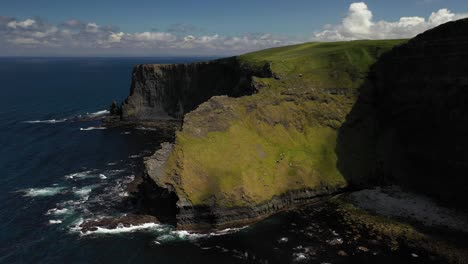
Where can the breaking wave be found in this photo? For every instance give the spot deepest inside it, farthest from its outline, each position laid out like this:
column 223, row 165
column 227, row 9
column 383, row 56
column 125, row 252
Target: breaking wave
column 92, row 128
column 98, row 113
column 124, row 229
column 49, row 121
column 42, row 192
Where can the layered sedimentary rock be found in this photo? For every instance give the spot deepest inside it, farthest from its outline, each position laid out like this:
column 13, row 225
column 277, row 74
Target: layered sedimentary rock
column 410, row 123
column 167, row 91
column 318, row 119
column 237, row 160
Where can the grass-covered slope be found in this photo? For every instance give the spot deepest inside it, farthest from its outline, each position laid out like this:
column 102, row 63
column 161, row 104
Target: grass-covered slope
column 243, row 151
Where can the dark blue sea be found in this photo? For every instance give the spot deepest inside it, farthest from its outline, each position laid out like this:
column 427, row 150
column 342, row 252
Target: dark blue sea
column 56, row 172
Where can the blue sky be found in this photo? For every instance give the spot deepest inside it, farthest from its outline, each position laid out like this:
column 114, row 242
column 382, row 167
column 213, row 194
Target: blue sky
column 195, row 22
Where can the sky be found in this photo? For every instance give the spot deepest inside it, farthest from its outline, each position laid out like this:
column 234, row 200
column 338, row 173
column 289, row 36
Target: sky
column 206, row 27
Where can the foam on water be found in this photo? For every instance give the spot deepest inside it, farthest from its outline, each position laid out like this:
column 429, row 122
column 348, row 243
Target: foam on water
column 182, row 235
column 98, row 113
column 79, row 175
column 49, row 121
column 42, row 192
column 56, row 211
column 126, row 229
column 83, row 192
column 92, row 128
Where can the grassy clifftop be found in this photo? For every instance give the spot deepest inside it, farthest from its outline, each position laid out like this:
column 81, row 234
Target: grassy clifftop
column 244, row 151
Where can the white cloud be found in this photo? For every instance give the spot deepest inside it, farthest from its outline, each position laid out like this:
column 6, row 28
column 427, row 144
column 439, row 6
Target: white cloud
column 358, row 24
column 77, row 37
column 92, row 27
column 22, row 24
column 153, row 36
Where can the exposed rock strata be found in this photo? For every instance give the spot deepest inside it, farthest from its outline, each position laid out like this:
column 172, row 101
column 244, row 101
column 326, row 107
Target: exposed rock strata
column 167, row 91
column 240, row 159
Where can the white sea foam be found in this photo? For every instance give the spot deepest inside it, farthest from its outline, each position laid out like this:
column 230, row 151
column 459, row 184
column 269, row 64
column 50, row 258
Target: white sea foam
column 52, row 222
column 186, row 235
column 126, row 229
column 41, row 192
column 98, row 113
column 49, row 121
column 79, row 175
column 83, row 192
column 75, row 226
column 146, row 128
column 92, row 128
column 56, row 211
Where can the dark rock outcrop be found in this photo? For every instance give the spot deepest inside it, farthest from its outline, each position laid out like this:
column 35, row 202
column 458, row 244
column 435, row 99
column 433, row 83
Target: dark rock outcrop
column 169, row 91
column 410, row 123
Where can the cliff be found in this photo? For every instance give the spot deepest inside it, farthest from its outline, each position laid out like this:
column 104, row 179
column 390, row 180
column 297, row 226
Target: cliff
column 169, row 91
column 237, row 160
column 318, row 118
column 409, row 125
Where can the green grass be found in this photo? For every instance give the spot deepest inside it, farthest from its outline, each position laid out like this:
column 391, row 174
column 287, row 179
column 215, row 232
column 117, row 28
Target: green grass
column 243, row 151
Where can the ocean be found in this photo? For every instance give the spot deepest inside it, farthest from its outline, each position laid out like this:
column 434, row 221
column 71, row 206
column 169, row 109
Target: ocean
column 56, row 172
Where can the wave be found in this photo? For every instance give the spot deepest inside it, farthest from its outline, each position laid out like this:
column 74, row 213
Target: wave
column 125, row 229
column 83, row 192
column 181, row 235
column 49, row 121
column 98, row 113
column 85, row 117
column 146, row 128
column 56, row 211
column 42, row 192
column 79, row 175
column 92, row 128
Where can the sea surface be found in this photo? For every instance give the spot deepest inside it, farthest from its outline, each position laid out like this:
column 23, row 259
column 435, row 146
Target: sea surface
column 56, row 172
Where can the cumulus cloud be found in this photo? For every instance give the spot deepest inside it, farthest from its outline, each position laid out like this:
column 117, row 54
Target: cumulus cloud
column 35, row 36
column 75, row 35
column 359, row 24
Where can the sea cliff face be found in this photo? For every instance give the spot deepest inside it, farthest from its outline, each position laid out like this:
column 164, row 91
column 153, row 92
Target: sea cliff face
column 318, row 118
column 237, row 160
column 409, row 125
column 169, row 91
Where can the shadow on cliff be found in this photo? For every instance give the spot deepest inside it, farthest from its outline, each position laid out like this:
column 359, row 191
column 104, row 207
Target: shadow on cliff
column 410, row 121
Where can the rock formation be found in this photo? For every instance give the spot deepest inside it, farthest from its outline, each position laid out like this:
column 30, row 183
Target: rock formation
column 169, row 91
column 240, row 159
column 409, row 125
column 318, row 119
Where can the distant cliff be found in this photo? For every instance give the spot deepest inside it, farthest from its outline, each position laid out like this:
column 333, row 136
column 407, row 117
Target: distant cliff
column 169, row 91
column 410, row 124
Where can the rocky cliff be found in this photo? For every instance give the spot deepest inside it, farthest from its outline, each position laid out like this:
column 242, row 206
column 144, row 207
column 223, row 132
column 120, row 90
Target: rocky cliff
column 169, row 91
column 409, row 125
column 319, row 118
column 237, row 160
